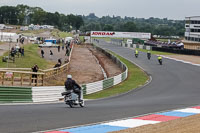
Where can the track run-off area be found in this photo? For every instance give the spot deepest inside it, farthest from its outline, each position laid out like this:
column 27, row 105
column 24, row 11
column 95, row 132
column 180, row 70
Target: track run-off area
column 174, row 85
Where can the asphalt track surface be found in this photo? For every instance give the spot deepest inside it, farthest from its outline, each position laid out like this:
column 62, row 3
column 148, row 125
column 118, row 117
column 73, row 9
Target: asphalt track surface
column 174, row 85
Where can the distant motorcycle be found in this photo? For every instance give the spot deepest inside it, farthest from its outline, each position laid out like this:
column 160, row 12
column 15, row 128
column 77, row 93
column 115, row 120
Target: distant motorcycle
column 136, row 55
column 149, row 56
column 72, row 99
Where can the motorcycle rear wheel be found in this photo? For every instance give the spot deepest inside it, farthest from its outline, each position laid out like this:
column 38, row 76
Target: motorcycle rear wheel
column 71, row 105
column 82, row 103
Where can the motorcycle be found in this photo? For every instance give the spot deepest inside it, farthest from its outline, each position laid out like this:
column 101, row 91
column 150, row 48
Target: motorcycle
column 136, row 55
column 72, row 99
column 148, row 56
column 160, row 61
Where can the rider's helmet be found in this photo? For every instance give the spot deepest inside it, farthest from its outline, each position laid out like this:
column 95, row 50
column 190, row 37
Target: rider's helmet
column 69, row 76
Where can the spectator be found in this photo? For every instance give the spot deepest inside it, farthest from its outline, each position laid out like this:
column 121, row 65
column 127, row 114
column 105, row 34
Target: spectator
column 51, row 54
column 42, row 53
column 57, row 65
column 60, row 61
column 35, row 68
column 58, row 48
column 22, row 54
column 67, row 52
column 63, row 47
column 20, row 51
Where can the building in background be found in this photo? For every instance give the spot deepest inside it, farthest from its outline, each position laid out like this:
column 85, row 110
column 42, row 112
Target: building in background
column 8, row 37
column 192, row 33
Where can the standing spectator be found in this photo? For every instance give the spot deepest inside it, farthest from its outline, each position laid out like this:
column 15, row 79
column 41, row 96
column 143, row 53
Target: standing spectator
column 68, row 44
column 22, row 54
column 60, row 61
column 58, row 48
column 67, row 52
column 63, row 47
column 42, row 53
column 51, row 54
column 20, row 51
column 35, row 68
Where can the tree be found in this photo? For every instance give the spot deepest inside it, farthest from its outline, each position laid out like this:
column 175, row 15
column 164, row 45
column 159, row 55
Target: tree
column 130, row 27
column 108, row 27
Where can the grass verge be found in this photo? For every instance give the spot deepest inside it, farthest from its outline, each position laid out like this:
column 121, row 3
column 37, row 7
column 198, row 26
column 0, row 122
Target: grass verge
column 31, row 32
column 155, row 52
column 59, row 34
column 31, row 57
column 136, row 78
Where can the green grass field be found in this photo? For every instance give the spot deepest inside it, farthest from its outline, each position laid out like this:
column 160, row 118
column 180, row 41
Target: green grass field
column 59, row 34
column 136, row 78
column 31, row 32
column 155, row 52
column 81, row 38
column 31, row 57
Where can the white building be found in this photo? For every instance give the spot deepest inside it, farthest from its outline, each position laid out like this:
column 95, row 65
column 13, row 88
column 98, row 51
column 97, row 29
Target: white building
column 8, row 37
column 2, row 26
column 192, row 33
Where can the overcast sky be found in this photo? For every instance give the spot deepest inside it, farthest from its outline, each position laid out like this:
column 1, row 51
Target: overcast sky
column 172, row 9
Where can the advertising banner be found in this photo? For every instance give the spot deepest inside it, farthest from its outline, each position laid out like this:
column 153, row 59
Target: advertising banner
column 110, row 34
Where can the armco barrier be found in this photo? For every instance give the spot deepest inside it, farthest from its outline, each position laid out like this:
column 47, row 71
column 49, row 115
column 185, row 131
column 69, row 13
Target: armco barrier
column 53, row 93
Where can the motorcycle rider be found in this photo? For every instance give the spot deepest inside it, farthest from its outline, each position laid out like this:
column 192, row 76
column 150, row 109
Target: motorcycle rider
column 136, row 53
column 149, row 55
column 71, row 84
column 160, row 59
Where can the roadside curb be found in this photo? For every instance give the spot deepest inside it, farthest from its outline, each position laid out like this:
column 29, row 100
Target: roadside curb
column 131, row 122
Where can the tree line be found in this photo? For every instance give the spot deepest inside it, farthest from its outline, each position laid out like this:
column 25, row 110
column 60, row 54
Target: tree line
column 25, row 15
column 156, row 26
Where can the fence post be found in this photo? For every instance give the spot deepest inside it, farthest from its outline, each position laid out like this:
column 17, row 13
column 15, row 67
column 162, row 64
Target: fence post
column 3, row 78
column 30, row 79
column 21, row 79
column 42, row 80
column 13, row 79
column 37, row 80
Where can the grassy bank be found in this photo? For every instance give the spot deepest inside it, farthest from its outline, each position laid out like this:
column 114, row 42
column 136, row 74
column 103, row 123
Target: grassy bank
column 31, row 32
column 31, row 57
column 136, row 78
column 155, row 52
column 59, row 34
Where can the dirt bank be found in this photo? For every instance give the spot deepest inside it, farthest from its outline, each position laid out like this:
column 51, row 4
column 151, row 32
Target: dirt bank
column 108, row 65
column 84, row 67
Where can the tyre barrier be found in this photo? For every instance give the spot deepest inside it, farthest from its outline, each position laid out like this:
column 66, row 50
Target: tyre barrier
column 15, row 94
column 136, row 46
column 121, row 43
column 53, row 93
